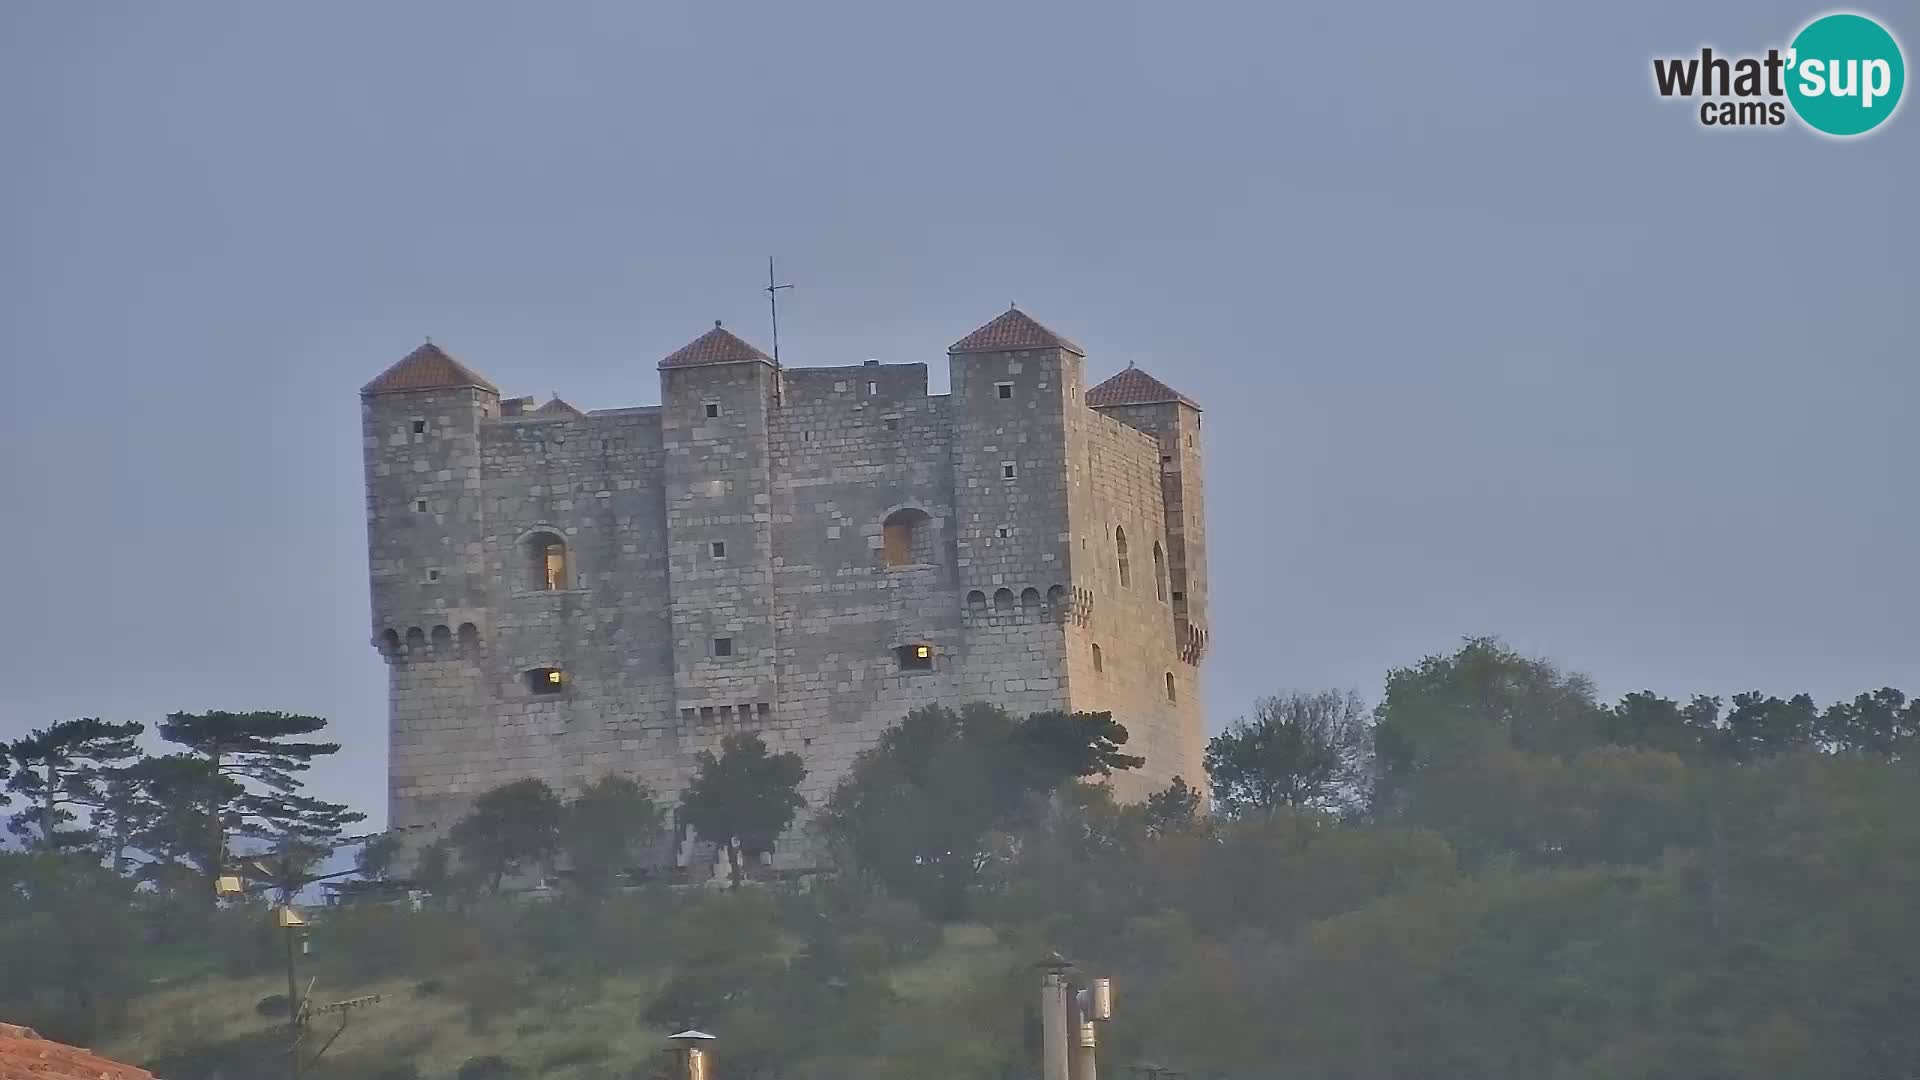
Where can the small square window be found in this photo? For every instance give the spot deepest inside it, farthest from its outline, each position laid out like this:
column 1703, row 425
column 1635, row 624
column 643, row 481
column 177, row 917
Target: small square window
column 1166, row 459
column 723, row 646
column 917, row 657
column 420, row 506
column 872, row 388
column 433, row 574
column 1008, row 470
column 419, row 427
column 893, row 423
column 718, row 548
column 713, row 409
column 1004, row 389
column 546, row 680
column 1003, row 531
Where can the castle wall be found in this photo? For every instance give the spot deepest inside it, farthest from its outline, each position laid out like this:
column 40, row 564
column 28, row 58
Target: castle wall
column 1011, row 579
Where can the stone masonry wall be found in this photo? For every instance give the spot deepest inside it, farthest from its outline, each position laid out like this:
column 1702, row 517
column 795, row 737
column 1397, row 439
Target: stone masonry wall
column 1012, row 578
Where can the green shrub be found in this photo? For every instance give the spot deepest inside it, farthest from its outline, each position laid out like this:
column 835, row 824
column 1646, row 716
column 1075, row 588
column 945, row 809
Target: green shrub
column 579, row 1053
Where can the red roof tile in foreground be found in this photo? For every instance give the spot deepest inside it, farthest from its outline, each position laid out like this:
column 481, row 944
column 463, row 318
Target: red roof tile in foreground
column 716, row 346
column 1010, row 331
column 24, row 1055
column 1135, row 387
column 427, row 368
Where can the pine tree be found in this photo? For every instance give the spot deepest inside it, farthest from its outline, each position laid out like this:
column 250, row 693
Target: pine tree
column 64, row 770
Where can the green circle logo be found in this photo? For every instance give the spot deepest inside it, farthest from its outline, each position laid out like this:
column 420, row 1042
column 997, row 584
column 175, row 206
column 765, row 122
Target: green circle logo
column 1846, row 74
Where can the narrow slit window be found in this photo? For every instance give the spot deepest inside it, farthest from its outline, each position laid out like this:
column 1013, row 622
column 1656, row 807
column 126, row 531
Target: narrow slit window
column 1172, row 695
column 1099, row 661
column 872, row 388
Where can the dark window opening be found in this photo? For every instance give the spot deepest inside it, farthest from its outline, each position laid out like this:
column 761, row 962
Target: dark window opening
column 1099, row 662
column 433, row 575
column 420, row 505
column 546, row 680
column 723, row 646
column 419, row 427
column 713, row 409
column 1159, row 573
column 1008, row 470
column 1120, row 550
column 893, row 423
column 1171, row 695
column 719, row 549
column 1005, row 389
column 917, row 657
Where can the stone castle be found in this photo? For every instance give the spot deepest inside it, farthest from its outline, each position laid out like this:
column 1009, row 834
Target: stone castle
column 807, row 553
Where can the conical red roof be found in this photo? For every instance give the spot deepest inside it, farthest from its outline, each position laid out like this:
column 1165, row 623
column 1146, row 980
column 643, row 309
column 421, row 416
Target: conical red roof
column 1011, row 330
column 427, row 368
column 716, row 346
column 1135, row 387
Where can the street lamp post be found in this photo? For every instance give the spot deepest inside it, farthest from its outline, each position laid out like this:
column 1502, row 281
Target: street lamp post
column 1068, row 1015
column 693, row 1055
column 288, row 919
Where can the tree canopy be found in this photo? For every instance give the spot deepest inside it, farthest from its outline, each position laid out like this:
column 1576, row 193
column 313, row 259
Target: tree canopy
column 743, row 799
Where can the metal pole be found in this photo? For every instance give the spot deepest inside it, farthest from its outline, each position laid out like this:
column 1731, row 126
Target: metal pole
column 293, row 1011
column 1053, row 1025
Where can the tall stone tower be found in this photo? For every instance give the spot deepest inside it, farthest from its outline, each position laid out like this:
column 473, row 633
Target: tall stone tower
column 807, row 554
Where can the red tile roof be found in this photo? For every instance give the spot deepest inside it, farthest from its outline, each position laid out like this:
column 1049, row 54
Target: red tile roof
column 427, row 368
column 24, row 1055
column 716, row 346
column 1135, row 387
column 1011, row 330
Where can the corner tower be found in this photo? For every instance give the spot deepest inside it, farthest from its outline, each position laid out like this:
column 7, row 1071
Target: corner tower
column 432, row 593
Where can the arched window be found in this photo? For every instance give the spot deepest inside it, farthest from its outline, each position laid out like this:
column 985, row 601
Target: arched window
column 907, row 538
column 390, row 643
column 1159, row 573
column 416, row 640
column 547, row 556
column 1099, row 662
column 1171, row 694
column 1003, row 601
column 469, row 635
column 1055, row 596
column 442, row 638
column 976, row 603
column 1030, row 603
column 1120, row 549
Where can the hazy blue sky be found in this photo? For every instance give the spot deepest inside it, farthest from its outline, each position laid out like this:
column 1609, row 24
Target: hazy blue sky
column 1491, row 339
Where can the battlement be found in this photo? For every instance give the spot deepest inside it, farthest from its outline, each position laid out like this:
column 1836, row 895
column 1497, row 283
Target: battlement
column 807, row 552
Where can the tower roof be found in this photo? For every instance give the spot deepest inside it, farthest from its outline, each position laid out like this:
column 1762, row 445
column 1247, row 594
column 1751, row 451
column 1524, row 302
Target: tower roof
column 716, row 346
column 427, row 368
column 1010, row 330
column 557, row 408
column 1135, row 387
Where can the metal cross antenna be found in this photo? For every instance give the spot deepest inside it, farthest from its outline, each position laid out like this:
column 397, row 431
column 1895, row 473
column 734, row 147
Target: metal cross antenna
column 773, row 307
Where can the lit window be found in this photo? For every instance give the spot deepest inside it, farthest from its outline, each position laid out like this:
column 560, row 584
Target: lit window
column 546, row 680
column 548, row 554
column 723, row 646
column 719, row 549
column 906, row 538
column 917, row 657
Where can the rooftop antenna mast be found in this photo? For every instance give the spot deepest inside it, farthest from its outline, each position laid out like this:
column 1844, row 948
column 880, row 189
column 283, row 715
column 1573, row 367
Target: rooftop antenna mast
column 773, row 308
